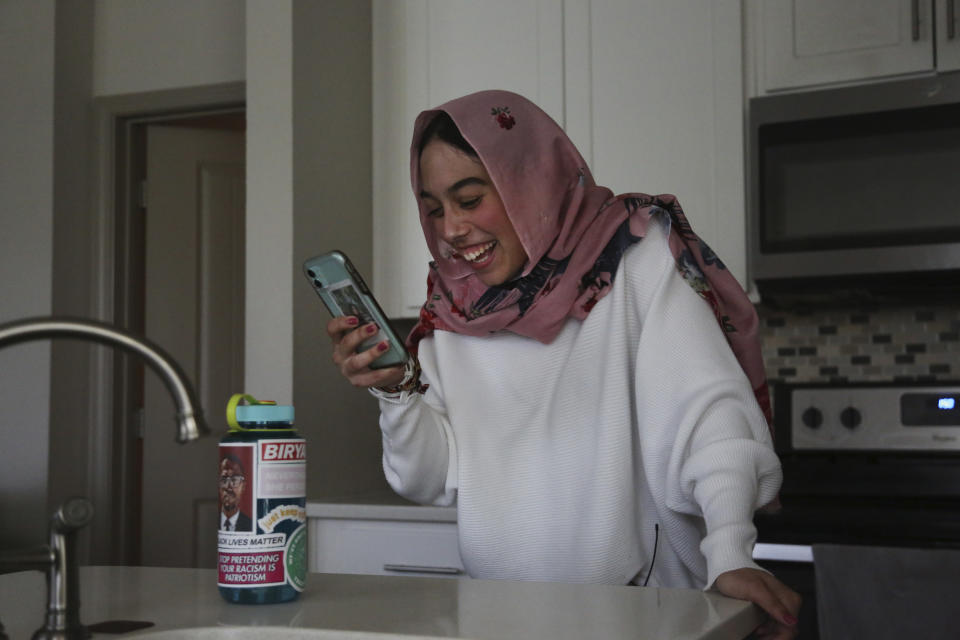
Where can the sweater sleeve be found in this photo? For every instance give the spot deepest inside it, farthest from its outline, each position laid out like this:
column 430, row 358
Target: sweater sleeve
column 704, row 436
column 419, row 452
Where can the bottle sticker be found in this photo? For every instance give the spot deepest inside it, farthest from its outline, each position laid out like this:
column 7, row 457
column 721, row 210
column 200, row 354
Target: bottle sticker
column 263, row 514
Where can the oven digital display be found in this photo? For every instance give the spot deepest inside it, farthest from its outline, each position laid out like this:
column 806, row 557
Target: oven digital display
column 929, row 410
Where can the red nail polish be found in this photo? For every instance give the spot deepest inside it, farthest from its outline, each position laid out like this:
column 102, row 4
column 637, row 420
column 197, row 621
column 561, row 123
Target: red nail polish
column 352, row 321
column 371, row 328
column 382, row 346
column 789, row 619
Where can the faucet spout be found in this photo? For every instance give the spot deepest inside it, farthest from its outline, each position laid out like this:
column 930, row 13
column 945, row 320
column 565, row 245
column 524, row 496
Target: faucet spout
column 190, row 423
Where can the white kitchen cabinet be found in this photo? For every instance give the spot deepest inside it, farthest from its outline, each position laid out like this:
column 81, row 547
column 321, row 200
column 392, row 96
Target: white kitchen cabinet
column 383, row 540
column 651, row 93
column 654, row 94
column 948, row 34
column 810, row 42
column 799, row 44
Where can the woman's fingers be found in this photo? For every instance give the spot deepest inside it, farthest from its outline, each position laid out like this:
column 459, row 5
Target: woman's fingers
column 340, row 324
column 376, row 377
column 773, row 630
column 347, row 335
column 359, row 362
column 780, row 602
column 356, row 369
column 788, row 598
column 777, row 599
column 351, row 342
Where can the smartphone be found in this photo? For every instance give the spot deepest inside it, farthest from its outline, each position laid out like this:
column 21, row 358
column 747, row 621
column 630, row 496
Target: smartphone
column 344, row 293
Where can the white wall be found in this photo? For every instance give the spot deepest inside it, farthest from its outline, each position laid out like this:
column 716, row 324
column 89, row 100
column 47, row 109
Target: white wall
column 26, row 249
column 268, row 347
column 333, row 205
column 145, row 45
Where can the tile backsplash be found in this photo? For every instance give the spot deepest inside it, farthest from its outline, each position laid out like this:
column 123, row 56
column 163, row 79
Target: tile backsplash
column 898, row 344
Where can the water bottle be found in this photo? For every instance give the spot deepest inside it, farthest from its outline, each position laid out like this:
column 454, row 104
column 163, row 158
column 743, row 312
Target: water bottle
column 262, row 537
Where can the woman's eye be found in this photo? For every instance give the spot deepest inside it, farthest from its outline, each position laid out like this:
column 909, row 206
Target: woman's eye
column 435, row 213
column 471, row 203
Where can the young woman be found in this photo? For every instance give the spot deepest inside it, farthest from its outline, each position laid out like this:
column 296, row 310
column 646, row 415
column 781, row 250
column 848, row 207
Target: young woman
column 588, row 387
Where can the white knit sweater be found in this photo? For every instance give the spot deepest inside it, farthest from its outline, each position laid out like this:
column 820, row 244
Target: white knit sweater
column 562, row 458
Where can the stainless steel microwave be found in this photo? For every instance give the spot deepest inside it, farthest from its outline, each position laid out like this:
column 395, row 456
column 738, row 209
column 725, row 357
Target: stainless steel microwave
column 856, row 181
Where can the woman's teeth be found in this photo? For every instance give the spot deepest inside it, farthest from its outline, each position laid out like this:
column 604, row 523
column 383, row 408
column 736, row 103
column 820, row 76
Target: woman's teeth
column 475, row 254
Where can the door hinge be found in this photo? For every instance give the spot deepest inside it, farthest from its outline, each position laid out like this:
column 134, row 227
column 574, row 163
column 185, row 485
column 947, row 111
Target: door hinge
column 139, row 423
column 142, row 194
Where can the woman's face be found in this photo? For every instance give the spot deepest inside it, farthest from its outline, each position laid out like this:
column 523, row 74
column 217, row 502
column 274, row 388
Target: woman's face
column 467, row 213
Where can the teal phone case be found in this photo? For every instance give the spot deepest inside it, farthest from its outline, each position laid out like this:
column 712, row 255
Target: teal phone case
column 344, row 292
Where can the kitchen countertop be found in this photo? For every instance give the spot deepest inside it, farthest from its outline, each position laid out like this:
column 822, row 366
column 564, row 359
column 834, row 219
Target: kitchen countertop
column 416, row 607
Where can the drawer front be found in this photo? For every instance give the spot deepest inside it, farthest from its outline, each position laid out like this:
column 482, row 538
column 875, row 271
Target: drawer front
column 382, row 547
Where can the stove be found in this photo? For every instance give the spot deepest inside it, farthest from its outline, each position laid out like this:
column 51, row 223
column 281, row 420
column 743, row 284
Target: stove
column 867, row 464
column 863, row 464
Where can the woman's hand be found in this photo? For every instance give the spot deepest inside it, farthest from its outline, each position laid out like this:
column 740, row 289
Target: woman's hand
column 346, row 334
column 780, row 602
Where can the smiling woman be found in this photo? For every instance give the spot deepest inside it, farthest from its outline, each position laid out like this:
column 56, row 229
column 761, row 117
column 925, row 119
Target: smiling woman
column 467, row 213
column 588, row 386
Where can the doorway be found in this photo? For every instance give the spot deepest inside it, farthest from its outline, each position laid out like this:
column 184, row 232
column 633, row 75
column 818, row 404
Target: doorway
column 179, row 257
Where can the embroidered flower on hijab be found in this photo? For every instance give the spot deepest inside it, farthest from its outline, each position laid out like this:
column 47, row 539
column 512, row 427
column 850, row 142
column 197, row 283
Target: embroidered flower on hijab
column 503, row 117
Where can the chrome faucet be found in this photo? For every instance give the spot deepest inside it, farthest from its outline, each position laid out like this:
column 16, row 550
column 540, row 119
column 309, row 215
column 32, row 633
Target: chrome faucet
column 58, row 558
column 189, row 418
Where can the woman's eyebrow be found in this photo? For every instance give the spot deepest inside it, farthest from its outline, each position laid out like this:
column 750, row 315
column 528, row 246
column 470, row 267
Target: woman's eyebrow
column 460, row 184
column 456, row 186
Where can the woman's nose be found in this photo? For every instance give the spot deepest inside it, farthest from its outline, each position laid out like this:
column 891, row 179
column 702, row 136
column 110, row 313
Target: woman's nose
column 454, row 226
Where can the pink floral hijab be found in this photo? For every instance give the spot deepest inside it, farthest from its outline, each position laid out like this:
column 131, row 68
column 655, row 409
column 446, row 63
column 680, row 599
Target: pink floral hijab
column 574, row 233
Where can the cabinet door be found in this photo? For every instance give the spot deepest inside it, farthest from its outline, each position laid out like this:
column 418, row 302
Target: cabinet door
column 948, row 35
column 655, row 104
column 384, row 547
column 426, row 52
column 811, row 42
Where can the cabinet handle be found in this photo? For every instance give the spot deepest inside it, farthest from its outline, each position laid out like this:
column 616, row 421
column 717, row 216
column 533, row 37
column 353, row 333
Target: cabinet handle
column 915, row 19
column 951, row 19
column 414, row 568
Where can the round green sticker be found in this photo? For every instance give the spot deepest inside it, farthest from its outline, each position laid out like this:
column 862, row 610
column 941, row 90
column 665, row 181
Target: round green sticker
column 296, row 558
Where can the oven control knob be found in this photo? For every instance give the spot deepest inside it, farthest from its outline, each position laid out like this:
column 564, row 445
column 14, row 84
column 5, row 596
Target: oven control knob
column 850, row 418
column 812, row 417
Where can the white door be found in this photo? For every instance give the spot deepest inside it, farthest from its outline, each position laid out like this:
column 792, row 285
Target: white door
column 194, row 302
column 811, row 42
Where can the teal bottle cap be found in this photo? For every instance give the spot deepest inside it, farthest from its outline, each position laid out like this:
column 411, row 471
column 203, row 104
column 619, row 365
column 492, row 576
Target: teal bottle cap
column 264, row 413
